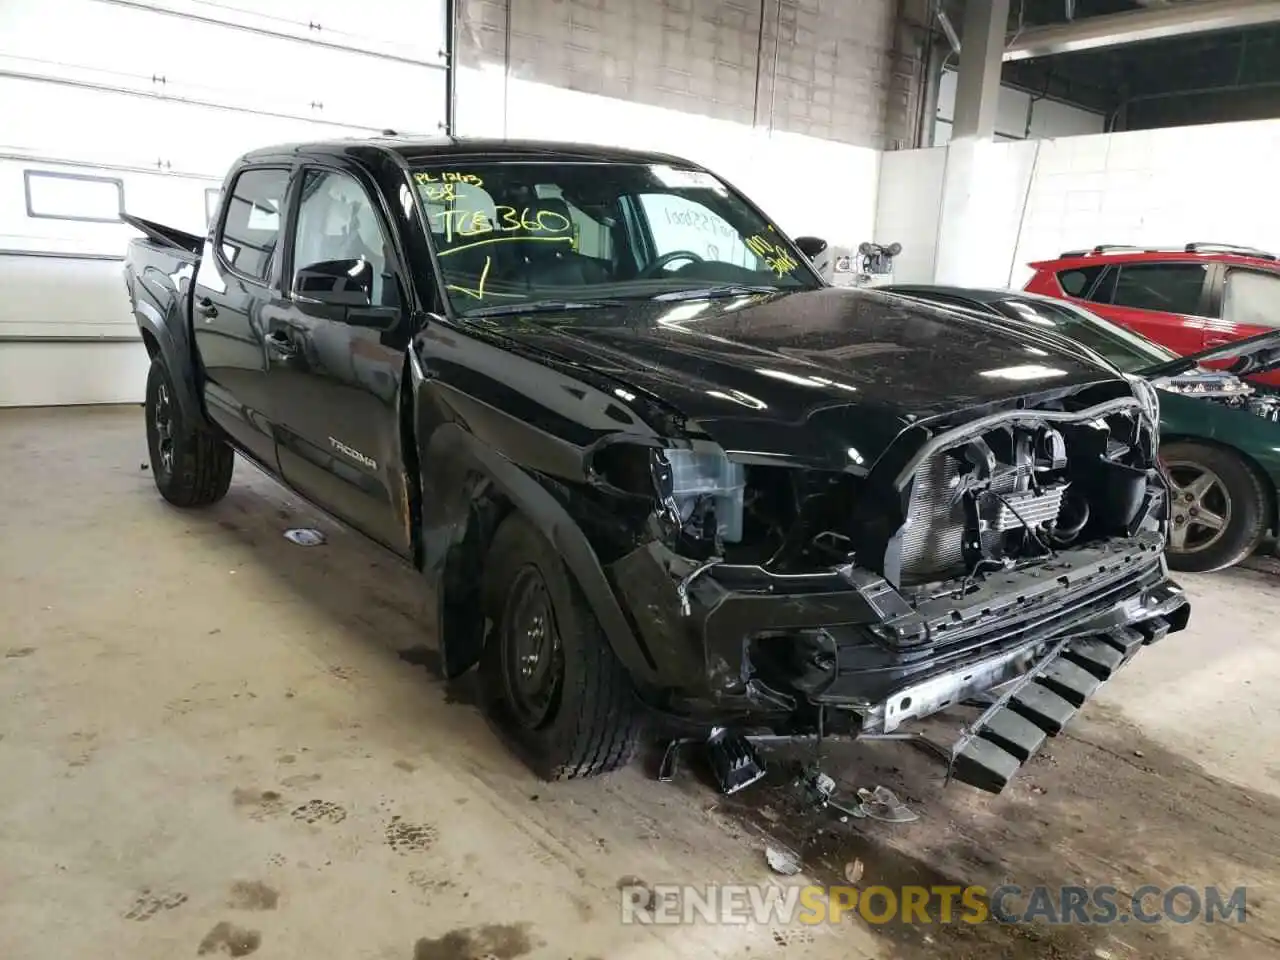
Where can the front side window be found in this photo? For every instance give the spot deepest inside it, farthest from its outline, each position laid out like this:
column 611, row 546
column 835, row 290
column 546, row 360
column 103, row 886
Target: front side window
column 508, row 233
column 1166, row 287
column 251, row 229
column 1252, row 299
column 336, row 222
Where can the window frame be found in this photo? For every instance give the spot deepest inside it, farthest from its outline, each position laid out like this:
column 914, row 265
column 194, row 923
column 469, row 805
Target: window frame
column 224, row 208
column 396, row 260
column 29, row 174
column 1203, row 309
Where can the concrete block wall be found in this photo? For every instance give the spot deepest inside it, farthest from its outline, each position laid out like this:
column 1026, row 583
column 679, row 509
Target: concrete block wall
column 830, row 69
column 1162, row 187
column 978, row 213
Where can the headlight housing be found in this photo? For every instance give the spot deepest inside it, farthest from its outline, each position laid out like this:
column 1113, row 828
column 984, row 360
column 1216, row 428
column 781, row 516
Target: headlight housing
column 708, row 476
column 686, row 482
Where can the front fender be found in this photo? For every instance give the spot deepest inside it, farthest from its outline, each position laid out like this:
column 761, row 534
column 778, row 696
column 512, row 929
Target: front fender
column 456, row 467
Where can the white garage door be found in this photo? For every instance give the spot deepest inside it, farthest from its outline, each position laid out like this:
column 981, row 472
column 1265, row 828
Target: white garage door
column 141, row 105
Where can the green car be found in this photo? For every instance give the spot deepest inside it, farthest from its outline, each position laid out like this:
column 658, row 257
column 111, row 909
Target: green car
column 1220, row 435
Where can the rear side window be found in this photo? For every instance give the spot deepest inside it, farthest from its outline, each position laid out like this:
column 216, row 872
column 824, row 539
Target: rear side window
column 1077, row 282
column 1252, row 299
column 1166, row 287
column 252, row 226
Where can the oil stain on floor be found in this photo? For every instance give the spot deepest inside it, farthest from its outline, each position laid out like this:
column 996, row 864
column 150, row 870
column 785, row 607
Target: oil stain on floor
column 499, row 941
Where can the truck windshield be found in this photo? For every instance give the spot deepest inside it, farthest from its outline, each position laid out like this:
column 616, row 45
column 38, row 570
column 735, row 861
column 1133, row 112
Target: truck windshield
column 513, row 233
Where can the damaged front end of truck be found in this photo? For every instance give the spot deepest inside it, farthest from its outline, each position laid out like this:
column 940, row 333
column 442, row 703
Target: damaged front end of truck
column 1006, row 559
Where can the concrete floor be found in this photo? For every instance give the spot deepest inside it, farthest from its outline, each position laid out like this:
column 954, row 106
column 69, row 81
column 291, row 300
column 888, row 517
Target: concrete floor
column 209, row 744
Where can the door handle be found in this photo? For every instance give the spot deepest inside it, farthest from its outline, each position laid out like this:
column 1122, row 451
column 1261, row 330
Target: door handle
column 281, row 345
column 205, row 307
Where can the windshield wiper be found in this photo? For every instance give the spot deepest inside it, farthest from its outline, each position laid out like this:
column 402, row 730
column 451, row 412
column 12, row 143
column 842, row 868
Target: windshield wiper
column 538, row 306
column 708, row 293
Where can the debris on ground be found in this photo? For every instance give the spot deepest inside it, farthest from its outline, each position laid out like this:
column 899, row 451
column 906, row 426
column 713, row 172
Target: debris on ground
column 880, row 803
column 883, row 804
column 853, row 870
column 782, row 860
column 305, row 536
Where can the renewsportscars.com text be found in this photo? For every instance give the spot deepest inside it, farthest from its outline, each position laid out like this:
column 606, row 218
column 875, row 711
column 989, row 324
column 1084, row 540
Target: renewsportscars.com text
column 1093, row 905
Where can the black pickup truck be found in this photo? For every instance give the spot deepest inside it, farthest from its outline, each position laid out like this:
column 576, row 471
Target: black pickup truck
column 652, row 469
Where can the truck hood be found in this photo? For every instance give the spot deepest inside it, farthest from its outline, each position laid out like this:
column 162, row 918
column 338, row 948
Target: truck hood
column 1258, row 354
column 821, row 377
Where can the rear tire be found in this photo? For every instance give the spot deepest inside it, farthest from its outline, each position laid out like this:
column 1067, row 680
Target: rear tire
column 191, row 467
column 1219, row 507
column 548, row 676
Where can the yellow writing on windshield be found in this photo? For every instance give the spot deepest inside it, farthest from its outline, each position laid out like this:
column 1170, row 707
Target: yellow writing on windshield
column 439, row 192
column 475, row 223
column 775, row 256
column 448, row 176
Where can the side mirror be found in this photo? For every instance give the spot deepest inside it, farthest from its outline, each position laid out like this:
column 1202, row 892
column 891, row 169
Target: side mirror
column 338, row 283
column 811, row 246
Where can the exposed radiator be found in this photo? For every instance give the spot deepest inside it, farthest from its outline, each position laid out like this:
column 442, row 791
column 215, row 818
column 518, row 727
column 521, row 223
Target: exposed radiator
column 933, row 542
column 1002, row 513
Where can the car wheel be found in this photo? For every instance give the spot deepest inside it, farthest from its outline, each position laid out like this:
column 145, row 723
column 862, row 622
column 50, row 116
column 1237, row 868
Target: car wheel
column 549, row 679
column 191, row 467
column 1219, row 510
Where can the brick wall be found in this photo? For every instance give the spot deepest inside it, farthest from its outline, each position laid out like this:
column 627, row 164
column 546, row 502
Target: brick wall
column 838, row 75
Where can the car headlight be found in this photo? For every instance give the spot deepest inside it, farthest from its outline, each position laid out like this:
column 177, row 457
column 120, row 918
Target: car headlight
column 685, row 481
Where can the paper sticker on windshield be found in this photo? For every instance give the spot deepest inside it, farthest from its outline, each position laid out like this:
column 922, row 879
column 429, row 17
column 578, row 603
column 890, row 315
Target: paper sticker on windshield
column 775, row 256
column 671, row 177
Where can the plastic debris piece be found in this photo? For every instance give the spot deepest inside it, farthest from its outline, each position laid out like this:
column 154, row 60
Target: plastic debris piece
column 305, row 536
column 883, row 804
column 853, row 870
column 782, row 860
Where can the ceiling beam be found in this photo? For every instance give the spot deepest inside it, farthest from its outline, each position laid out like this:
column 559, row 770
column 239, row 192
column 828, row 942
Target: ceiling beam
column 1136, row 26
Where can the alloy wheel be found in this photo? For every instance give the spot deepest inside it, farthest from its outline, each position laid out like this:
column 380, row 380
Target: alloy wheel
column 1201, row 508
column 163, row 420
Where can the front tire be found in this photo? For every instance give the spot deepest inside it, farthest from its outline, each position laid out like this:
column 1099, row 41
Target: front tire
column 191, row 467
column 1219, row 513
column 548, row 676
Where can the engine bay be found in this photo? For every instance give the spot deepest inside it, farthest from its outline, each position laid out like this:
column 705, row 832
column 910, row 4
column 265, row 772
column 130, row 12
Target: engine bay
column 1014, row 491
column 1225, row 389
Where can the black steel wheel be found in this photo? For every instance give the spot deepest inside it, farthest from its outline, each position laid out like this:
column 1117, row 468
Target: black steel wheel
column 532, row 655
column 549, row 679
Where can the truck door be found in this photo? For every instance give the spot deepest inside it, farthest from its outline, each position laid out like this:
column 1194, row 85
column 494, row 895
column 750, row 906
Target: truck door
column 337, row 337
column 235, row 280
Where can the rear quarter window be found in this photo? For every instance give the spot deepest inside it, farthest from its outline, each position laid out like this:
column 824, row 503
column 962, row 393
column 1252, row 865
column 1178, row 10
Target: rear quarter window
column 1077, row 281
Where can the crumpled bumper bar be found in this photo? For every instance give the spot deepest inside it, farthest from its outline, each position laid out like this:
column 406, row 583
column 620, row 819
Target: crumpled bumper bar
column 1042, row 702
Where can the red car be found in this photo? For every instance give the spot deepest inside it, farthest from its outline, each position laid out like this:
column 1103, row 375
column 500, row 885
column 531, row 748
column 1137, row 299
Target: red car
column 1200, row 296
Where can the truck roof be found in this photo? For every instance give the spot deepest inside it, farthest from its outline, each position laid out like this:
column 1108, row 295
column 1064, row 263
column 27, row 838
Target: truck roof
column 412, row 150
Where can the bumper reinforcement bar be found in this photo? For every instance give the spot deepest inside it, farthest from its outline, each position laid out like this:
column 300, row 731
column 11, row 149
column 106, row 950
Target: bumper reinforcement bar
column 1041, row 703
